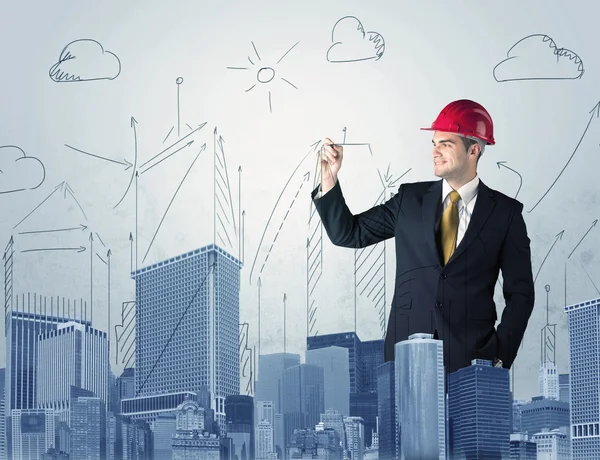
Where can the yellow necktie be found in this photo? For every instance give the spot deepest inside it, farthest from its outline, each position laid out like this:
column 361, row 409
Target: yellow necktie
column 449, row 226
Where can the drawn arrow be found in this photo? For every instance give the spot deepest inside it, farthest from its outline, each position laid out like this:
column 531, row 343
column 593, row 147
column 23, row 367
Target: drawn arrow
column 502, row 163
column 585, row 234
column 126, row 163
column 558, row 237
column 171, row 202
column 134, row 171
column 137, row 175
column 277, row 204
column 63, row 187
column 79, row 249
column 173, row 145
column 81, row 227
column 595, row 111
column 305, row 179
column 168, row 156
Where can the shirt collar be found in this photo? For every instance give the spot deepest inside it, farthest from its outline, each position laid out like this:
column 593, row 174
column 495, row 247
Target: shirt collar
column 467, row 192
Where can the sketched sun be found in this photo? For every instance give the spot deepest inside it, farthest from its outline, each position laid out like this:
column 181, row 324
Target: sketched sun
column 265, row 74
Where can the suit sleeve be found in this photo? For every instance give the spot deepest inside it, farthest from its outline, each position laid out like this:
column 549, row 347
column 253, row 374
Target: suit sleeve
column 518, row 288
column 356, row 231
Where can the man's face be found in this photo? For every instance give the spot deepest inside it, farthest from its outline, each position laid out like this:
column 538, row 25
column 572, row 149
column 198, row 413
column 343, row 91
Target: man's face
column 450, row 159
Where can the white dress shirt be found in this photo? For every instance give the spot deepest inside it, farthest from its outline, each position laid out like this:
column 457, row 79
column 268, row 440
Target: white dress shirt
column 466, row 204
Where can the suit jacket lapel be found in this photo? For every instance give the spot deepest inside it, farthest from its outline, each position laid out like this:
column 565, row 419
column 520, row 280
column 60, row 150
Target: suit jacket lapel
column 483, row 207
column 431, row 201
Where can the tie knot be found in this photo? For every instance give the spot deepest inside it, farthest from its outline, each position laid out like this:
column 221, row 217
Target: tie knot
column 454, row 196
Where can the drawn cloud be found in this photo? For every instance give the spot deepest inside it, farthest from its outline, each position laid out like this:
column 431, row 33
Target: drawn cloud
column 536, row 57
column 19, row 172
column 352, row 44
column 85, row 60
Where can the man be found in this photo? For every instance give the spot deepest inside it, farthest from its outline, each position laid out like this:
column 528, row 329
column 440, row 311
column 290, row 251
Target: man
column 450, row 246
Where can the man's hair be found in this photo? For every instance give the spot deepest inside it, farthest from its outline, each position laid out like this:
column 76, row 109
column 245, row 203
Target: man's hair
column 469, row 141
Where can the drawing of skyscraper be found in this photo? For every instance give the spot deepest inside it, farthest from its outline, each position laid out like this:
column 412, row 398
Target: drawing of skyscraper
column 420, row 397
column 187, row 321
column 584, row 354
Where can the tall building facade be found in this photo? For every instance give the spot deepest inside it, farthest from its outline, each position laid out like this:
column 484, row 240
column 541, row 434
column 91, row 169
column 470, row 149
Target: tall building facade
column 192, row 301
column 420, row 404
column 73, row 355
column 479, row 411
column 584, row 354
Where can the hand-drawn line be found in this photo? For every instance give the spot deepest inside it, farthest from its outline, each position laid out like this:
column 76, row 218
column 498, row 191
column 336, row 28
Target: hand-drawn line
column 18, row 172
column 284, row 322
column 222, row 202
column 584, row 235
column 305, row 179
column 108, row 304
column 240, row 257
column 178, row 82
column 265, row 75
column 166, row 149
column 124, row 332
column 589, row 278
column 70, row 229
column 246, row 356
column 536, row 57
column 559, row 236
column 63, row 187
column 124, row 162
column 210, row 270
column 91, row 271
column 134, row 123
column 259, row 288
column 131, row 251
column 595, row 111
column 168, row 156
column 78, row 249
column 351, row 44
column 276, row 207
column 101, row 259
column 314, row 254
column 100, row 239
column 171, row 202
column 85, row 60
column 370, row 263
column 548, row 335
column 502, row 163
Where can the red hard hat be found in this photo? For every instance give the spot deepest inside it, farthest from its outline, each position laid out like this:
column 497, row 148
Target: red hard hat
column 465, row 117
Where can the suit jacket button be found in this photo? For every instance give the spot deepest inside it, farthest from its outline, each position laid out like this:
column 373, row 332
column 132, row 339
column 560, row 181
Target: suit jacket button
column 438, row 304
column 443, row 276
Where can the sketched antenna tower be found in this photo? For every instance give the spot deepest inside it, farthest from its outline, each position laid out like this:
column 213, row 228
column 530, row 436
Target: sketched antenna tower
column 548, row 336
column 224, row 225
column 246, row 359
column 8, row 258
column 125, row 335
column 178, row 82
column 314, row 256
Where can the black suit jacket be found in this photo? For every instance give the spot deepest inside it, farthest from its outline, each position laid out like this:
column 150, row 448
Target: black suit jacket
column 454, row 302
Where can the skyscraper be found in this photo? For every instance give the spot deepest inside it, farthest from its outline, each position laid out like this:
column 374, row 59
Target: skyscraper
column 584, row 354
column 187, row 326
column 420, row 397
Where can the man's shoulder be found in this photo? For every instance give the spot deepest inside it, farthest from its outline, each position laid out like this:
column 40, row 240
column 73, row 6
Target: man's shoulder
column 502, row 198
column 420, row 187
